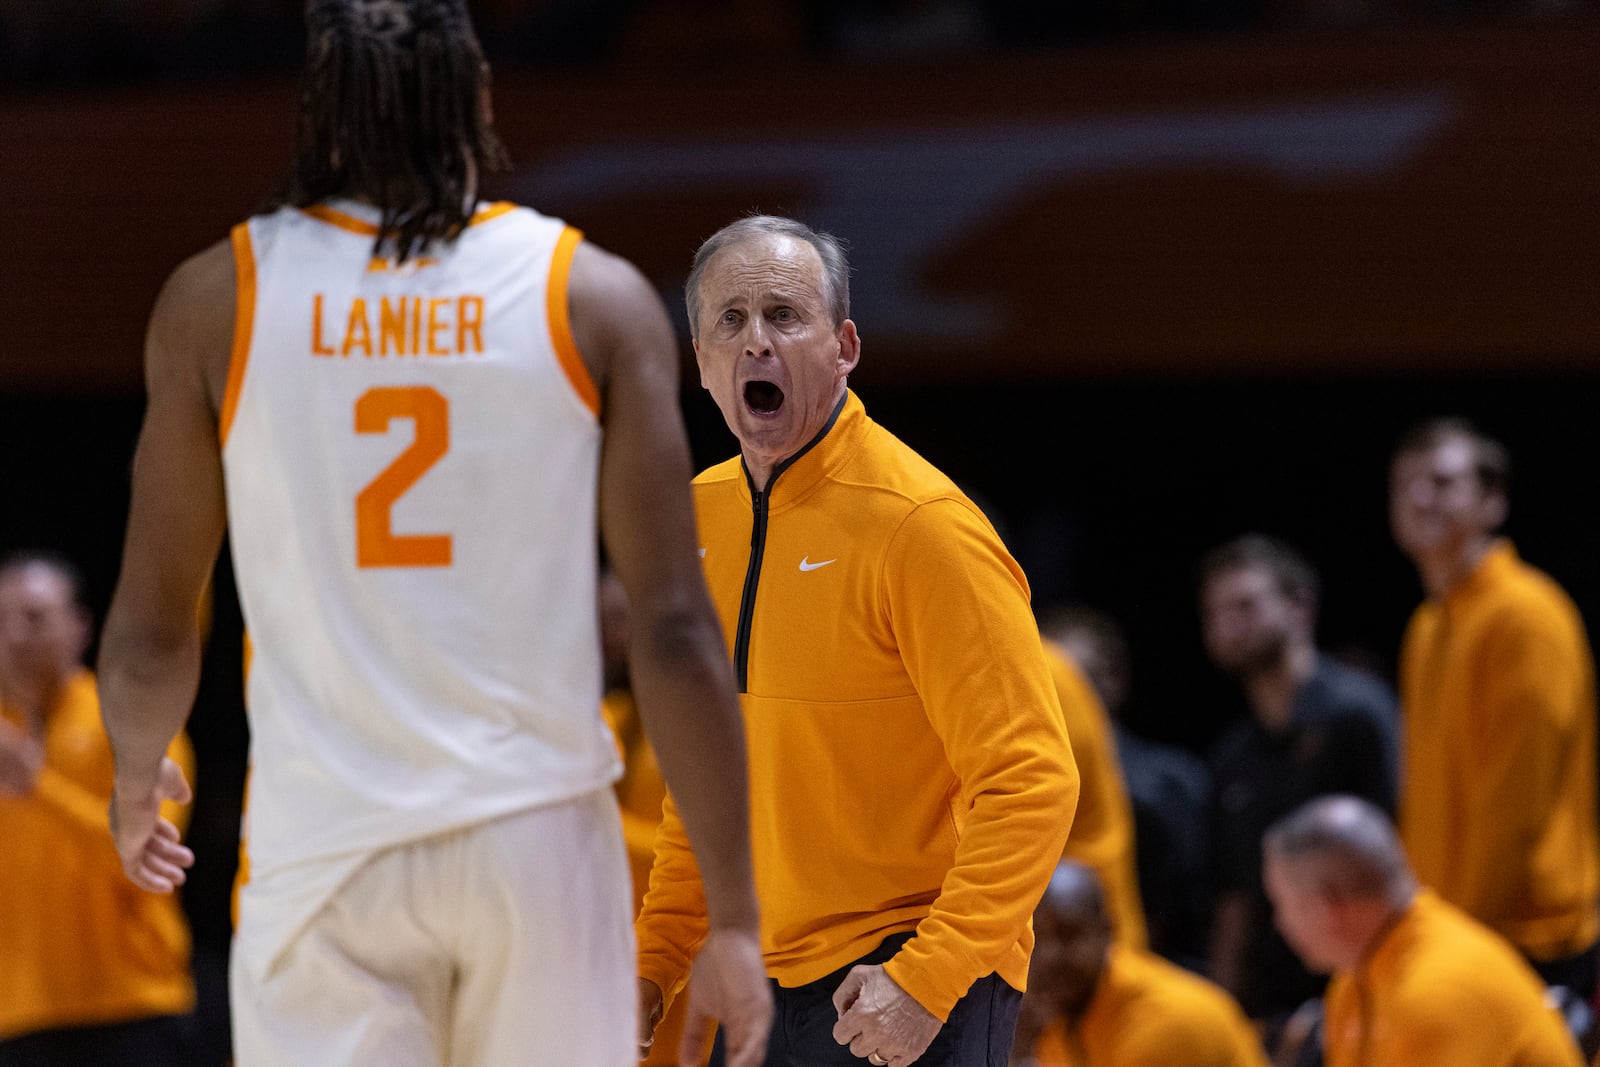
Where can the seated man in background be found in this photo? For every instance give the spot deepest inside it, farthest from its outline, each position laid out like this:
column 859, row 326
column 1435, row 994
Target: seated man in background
column 1416, row 982
column 1094, row 1003
column 93, row 970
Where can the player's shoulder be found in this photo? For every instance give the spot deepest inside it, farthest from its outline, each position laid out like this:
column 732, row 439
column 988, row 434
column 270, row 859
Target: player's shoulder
column 600, row 273
column 204, row 274
column 196, row 302
column 608, row 294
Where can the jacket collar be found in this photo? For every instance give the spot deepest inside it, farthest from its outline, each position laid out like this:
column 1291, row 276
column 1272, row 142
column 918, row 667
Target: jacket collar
column 1500, row 559
column 824, row 454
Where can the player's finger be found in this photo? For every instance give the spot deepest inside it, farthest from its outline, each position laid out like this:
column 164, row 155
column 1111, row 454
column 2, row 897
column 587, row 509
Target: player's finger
column 157, row 868
column 148, row 881
column 166, row 837
column 173, row 853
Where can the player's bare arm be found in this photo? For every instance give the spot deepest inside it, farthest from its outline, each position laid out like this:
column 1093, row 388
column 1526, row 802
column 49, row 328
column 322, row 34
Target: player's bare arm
column 678, row 662
column 150, row 651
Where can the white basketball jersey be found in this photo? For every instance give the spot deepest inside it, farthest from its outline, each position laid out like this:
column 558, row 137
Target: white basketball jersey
column 411, row 454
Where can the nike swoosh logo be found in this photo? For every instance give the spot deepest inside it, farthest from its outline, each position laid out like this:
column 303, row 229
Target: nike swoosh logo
column 807, row 565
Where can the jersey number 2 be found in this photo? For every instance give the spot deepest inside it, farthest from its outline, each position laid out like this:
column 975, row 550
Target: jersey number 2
column 377, row 545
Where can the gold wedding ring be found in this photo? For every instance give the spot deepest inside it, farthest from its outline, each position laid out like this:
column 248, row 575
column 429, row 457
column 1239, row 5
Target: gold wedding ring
column 876, row 1060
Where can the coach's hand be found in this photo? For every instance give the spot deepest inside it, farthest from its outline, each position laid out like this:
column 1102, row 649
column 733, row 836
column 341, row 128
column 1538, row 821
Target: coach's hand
column 152, row 855
column 880, row 1021
column 729, row 986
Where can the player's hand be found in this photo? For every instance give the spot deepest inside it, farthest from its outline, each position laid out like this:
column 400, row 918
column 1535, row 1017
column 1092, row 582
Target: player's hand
column 21, row 759
column 880, row 1021
column 650, row 1011
column 729, row 986
column 152, row 855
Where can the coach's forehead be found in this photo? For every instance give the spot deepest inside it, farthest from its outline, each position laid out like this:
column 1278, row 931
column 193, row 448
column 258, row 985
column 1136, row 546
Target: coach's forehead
column 763, row 263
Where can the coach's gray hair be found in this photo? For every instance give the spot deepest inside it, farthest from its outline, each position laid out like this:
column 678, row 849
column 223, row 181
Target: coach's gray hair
column 1357, row 851
column 835, row 267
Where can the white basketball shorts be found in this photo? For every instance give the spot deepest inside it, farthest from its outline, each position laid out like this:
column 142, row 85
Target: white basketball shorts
column 504, row 944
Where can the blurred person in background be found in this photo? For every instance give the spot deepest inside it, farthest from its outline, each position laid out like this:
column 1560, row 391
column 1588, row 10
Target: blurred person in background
column 1498, row 810
column 1313, row 727
column 409, row 408
column 1167, row 786
column 912, row 785
column 93, row 969
column 1093, row 1001
column 1102, row 836
column 1416, row 982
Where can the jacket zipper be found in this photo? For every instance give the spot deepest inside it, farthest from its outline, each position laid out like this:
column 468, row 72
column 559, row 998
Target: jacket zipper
column 758, row 548
column 752, row 577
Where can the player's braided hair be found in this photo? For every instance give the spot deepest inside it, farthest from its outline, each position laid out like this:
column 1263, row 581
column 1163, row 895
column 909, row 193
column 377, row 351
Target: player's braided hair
column 391, row 112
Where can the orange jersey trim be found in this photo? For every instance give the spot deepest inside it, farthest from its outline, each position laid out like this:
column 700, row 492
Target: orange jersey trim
column 244, row 317
column 350, row 223
column 241, row 877
column 324, row 213
column 561, row 323
column 493, row 211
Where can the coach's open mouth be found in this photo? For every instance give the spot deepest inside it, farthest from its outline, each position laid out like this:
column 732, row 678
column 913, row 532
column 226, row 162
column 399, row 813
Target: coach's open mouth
column 763, row 398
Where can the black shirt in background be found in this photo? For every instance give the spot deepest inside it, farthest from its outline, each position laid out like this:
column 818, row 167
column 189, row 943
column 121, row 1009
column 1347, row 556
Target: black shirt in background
column 1342, row 737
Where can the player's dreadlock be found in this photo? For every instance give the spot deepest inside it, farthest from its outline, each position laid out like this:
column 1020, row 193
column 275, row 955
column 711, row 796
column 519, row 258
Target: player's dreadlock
column 391, row 112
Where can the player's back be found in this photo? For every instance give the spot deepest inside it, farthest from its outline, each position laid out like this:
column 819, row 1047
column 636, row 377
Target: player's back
column 411, row 454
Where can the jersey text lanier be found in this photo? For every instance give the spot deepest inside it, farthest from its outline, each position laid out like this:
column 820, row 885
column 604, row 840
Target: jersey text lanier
column 399, row 326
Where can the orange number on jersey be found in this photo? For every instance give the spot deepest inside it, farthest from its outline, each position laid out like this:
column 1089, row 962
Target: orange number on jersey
column 376, row 544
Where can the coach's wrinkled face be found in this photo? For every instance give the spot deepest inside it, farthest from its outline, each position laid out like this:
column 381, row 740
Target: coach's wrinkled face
column 767, row 347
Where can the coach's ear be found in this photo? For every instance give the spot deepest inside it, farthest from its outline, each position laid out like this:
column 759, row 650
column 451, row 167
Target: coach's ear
column 694, row 342
column 849, row 354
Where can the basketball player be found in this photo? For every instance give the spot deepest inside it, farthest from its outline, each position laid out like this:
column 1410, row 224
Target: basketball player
column 407, row 408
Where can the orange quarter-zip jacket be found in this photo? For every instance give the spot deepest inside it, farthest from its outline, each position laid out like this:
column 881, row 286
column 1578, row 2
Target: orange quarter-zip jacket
column 1440, row 990
column 908, row 764
column 1497, row 804
column 1147, row 1012
column 80, row 945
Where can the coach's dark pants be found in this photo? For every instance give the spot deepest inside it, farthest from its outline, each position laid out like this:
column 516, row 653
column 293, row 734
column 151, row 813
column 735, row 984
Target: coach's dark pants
column 163, row 1041
column 977, row 1034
